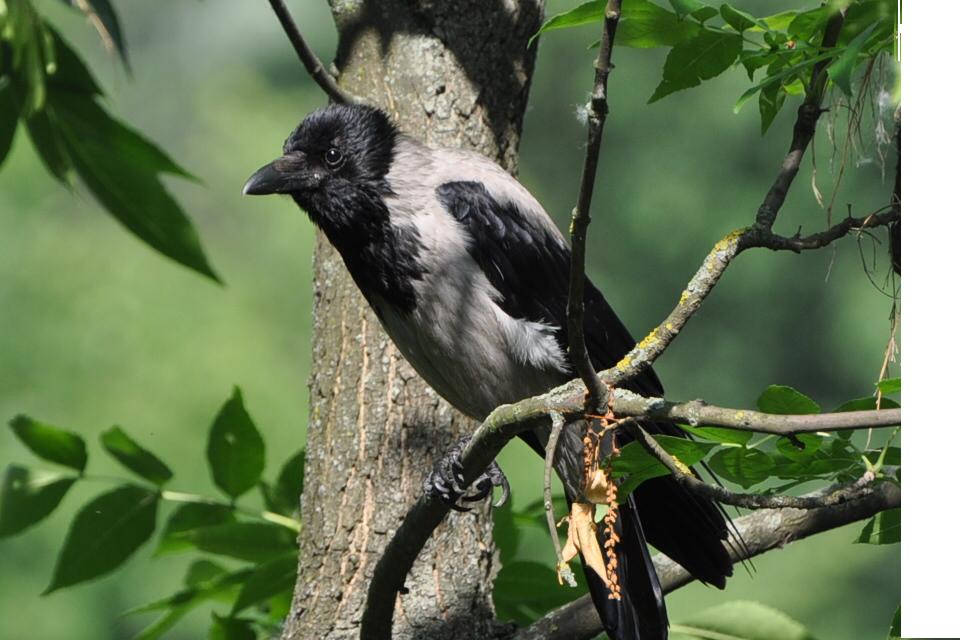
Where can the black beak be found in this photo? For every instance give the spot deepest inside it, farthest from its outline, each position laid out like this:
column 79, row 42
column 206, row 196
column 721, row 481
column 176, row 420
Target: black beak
column 286, row 174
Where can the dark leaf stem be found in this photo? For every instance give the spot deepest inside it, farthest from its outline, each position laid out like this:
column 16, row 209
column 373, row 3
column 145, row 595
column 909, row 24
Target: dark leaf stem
column 310, row 61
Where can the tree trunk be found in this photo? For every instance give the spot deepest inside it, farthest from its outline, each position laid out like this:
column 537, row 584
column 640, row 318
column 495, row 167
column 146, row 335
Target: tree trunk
column 454, row 73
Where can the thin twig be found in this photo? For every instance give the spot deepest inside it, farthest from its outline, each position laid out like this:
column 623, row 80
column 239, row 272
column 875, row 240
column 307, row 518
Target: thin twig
column 309, row 59
column 580, row 217
column 762, row 531
column 803, row 130
column 557, row 423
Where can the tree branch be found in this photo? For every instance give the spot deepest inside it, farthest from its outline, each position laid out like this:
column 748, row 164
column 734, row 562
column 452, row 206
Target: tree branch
column 508, row 421
column 761, row 532
column 309, row 59
column 803, row 130
column 697, row 412
column 580, row 217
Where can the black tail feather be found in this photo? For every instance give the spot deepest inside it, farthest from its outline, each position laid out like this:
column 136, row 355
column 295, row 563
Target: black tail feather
column 640, row 613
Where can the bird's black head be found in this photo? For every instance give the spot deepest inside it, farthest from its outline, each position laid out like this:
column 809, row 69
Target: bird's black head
column 334, row 161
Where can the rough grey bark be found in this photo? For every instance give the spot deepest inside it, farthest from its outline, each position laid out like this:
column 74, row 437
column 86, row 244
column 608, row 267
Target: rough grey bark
column 455, row 73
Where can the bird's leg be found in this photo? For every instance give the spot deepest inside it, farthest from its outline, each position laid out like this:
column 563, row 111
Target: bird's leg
column 446, row 481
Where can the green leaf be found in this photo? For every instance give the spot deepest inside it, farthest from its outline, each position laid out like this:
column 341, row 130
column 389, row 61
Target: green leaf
column 586, row 13
column 267, row 580
column 9, row 116
column 784, row 400
column 286, row 491
column 220, row 585
column 526, row 591
column 71, row 73
column 651, row 26
column 641, row 10
column 49, row 144
column 122, row 170
column 883, row 528
column 895, row 626
column 51, row 443
column 107, row 23
column 745, row 467
column 868, row 403
column 104, row 533
column 719, row 434
column 776, row 22
column 251, row 541
column 27, row 497
column 703, row 57
column 189, row 516
column 780, row 78
column 235, row 449
column 231, row 629
column 639, row 466
column 888, row 386
column 740, row 621
column 134, row 457
column 811, row 445
column 841, row 69
column 739, row 20
column 806, row 24
column 201, row 572
column 771, row 101
column 683, row 8
column 890, row 459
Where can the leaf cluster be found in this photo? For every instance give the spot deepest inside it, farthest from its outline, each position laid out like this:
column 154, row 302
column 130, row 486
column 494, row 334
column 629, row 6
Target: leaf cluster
column 47, row 90
column 257, row 549
column 777, row 52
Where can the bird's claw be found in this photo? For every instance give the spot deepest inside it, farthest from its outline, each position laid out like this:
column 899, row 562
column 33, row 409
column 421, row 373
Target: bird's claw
column 447, row 481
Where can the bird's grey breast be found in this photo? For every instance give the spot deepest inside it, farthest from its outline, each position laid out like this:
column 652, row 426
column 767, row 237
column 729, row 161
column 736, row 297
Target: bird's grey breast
column 458, row 337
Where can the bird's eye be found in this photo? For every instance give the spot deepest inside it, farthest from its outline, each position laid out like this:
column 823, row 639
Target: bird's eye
column 333, row 157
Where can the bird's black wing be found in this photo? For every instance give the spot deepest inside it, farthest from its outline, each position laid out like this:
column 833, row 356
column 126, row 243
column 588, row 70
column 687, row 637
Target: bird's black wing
column 529, row 266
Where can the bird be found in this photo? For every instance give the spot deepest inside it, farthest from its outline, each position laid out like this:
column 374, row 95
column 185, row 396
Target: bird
column 469, row 275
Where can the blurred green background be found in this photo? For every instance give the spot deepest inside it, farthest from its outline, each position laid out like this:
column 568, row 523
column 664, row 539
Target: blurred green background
column 96, row 329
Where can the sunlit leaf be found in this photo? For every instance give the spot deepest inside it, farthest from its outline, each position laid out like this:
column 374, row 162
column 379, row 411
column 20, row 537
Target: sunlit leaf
column 235, row 449
column 889, row 385
column 703, row 57
column 27, row 497
column 841, row 69
column 736, row 18
column 781, row 399
column 883, row 528
column 134, row 457
column 719, row 434
column 650, row 26
column 51, row 443
column 104, row 533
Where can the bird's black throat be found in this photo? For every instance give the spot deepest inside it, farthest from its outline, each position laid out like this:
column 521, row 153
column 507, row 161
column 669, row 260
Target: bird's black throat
column 382, row 260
